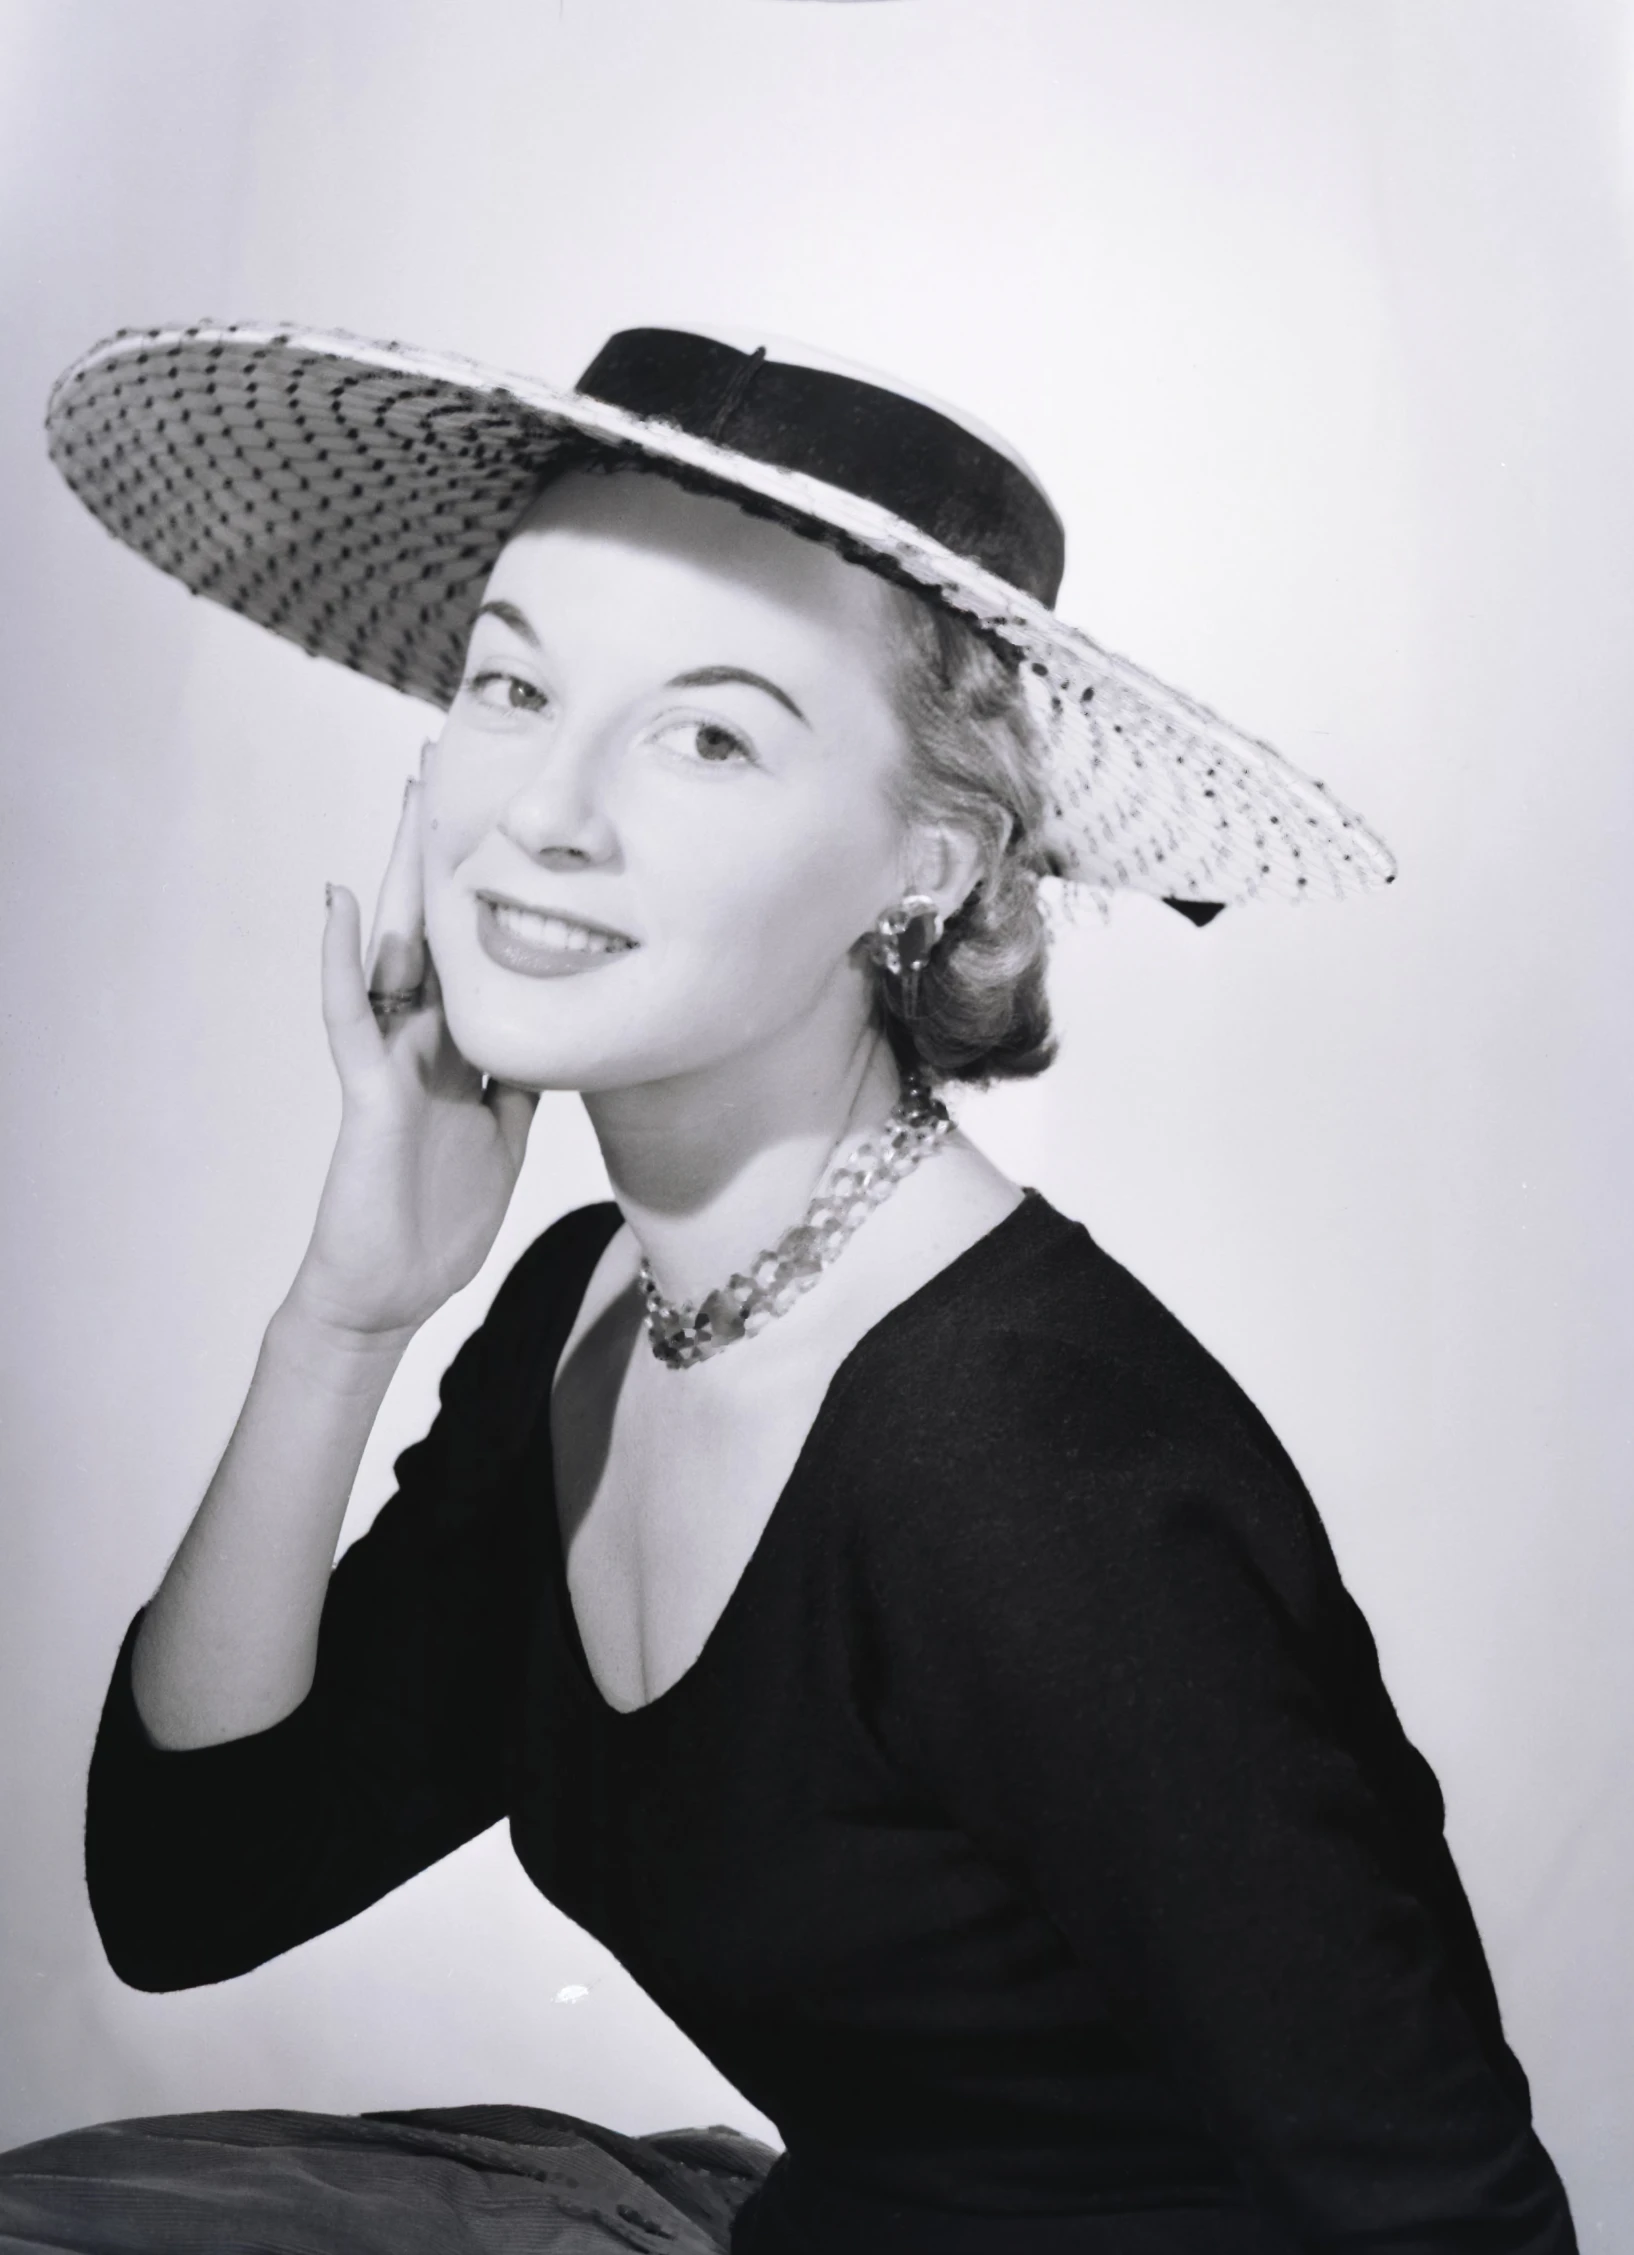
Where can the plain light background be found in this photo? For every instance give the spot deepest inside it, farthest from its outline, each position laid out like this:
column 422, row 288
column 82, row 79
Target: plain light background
column 1316, row 320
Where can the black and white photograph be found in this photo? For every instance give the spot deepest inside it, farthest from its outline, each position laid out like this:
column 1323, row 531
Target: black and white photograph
column 818, row 1413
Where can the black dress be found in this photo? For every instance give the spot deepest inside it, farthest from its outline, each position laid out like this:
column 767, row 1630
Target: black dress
column 1033, row 1839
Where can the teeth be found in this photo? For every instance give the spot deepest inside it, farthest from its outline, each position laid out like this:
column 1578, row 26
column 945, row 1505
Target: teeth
column 553, row 931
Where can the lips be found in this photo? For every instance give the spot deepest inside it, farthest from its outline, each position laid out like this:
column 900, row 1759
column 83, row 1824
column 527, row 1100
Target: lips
column 541, row 943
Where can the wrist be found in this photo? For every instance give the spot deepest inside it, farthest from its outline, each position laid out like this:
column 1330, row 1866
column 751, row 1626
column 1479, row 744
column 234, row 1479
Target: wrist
column 345, row 1357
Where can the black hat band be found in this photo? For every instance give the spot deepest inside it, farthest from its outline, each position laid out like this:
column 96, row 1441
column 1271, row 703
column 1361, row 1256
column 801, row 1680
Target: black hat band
column 944, row 480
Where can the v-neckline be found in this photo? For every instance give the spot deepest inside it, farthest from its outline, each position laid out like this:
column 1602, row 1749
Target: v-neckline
column 914, row 1304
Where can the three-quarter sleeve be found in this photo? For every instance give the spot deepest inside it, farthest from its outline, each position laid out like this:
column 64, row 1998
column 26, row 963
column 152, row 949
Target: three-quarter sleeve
column 204, row 1862
column 1128, row 1666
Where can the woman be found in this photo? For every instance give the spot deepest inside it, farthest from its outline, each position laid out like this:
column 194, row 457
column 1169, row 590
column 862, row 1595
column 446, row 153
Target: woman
column 922, row 1667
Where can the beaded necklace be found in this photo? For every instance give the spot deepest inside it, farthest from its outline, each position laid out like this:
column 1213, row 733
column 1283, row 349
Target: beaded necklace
column 847, row 1194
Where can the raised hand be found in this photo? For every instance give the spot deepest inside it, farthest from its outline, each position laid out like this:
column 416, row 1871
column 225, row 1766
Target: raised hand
column 428, row 1153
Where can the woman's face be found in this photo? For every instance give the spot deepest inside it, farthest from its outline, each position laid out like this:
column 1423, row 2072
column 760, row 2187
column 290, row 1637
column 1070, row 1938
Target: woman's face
column 660, row 818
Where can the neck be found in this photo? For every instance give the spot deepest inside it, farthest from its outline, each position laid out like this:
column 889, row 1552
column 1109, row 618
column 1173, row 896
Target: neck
column 711, row 1168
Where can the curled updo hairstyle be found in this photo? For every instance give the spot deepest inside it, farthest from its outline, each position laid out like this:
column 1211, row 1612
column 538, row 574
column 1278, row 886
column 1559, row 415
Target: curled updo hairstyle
column 975, row 761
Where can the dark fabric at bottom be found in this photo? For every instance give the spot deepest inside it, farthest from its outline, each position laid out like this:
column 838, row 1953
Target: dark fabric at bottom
column 463, row 2180
column 501, row 2180
column 795, row 2213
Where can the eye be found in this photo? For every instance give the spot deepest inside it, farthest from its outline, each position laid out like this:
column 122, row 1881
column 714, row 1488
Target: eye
column 709, row 742
column 497, row 690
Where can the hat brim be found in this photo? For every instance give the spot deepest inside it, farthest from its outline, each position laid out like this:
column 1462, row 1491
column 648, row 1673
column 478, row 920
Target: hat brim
column 353, row 497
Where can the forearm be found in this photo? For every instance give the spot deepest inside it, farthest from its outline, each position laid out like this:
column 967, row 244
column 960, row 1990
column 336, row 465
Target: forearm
column 229, row 1641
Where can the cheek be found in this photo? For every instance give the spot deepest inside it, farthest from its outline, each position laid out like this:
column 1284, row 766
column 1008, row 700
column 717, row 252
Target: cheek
column 776, row 904
column 440, row 855
column 464, row 800
column 453, row 822
column 464, row 796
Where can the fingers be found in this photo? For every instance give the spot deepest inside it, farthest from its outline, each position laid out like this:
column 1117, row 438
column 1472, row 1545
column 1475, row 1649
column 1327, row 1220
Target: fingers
column 354, row 1038
column 427, row 1039
column 513, row 1110
column 397, row 950
column 431, row 987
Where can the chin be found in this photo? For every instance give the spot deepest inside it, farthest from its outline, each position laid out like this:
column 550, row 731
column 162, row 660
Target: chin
column 544, row 1040
column 522, row 1055
column 539, row 1034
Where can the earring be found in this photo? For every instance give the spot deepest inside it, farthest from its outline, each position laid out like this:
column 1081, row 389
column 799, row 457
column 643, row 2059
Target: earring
column 901, row 943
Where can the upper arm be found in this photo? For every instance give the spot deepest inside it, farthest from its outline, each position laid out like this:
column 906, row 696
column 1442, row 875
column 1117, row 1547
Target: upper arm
column 1135, row 1674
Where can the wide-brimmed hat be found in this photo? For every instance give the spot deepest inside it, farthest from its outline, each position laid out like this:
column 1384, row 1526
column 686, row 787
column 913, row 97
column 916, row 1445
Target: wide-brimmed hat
column 353, row 497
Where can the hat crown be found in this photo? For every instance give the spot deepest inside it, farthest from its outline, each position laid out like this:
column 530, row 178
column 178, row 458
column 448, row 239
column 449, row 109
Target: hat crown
column 945, row 476
column 796, row 352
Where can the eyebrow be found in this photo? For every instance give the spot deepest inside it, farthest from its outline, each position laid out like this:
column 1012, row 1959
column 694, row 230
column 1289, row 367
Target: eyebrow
column 508, row 615
column 715, row 677
column 700, row 677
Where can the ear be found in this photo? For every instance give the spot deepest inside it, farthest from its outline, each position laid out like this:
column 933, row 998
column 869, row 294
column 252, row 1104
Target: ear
column 943, row 861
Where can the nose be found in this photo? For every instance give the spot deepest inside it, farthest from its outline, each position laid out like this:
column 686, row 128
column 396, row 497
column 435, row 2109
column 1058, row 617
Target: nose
column 557, row 815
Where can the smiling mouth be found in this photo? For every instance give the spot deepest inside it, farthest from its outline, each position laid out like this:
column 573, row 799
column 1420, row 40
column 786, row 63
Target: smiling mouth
column 541, row 944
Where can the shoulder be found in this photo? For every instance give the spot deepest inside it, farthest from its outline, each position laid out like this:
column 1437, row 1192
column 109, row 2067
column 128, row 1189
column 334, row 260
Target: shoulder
column 551, row 1274
column 561, row 1258
column 498, row 1381
column 1037, row 1409
column 1037, row 1338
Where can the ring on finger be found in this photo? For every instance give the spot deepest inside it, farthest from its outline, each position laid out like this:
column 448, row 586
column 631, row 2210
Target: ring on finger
column 395, row 1002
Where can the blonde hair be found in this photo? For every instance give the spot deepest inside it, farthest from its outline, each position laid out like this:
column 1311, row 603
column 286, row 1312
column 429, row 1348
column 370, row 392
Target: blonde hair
column 975, row 760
